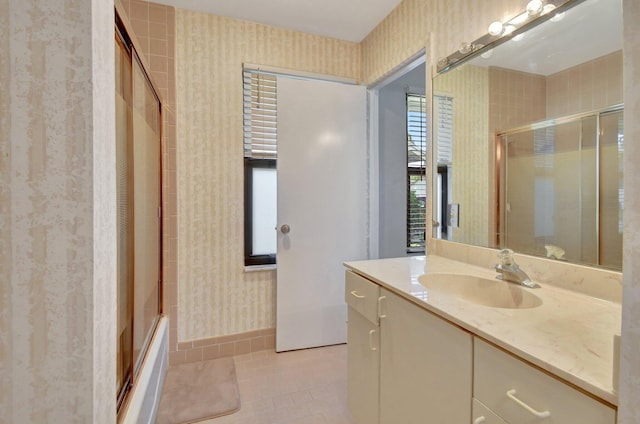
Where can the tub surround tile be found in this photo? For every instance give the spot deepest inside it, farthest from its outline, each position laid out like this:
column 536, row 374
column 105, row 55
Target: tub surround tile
column 152, row 29
column 223, row 346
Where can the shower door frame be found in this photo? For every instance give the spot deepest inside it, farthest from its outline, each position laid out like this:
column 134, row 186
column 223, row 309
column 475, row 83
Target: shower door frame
column 122, row 393
column 501, row 155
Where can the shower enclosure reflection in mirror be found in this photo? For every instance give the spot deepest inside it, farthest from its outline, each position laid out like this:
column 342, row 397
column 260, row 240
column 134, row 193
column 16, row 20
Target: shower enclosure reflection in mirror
column 534, row 126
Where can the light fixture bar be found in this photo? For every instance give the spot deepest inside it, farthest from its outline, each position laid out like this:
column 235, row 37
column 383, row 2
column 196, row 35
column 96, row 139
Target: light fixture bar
column 536, row 12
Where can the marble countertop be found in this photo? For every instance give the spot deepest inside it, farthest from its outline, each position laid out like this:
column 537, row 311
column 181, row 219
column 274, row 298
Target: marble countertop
column 570, row 334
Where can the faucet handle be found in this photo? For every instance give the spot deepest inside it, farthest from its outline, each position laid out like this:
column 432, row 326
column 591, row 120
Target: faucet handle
column 506, row 257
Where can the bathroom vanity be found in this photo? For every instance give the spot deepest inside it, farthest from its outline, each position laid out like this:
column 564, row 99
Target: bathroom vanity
column 426, row 344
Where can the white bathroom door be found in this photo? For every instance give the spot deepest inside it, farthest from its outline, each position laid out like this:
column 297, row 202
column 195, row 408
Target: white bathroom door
column 322, row 205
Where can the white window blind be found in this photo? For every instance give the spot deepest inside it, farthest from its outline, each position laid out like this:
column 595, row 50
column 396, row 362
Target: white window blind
column 443, row 130
column 416, row 130
column 416, row 163
column 260, row 115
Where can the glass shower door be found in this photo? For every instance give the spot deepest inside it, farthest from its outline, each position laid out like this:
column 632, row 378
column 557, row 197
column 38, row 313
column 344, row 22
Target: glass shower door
column 562, row 189
column 138, row 166
column 611, row 200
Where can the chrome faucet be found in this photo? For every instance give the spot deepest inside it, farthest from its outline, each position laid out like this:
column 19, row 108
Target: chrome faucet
column 509, row 270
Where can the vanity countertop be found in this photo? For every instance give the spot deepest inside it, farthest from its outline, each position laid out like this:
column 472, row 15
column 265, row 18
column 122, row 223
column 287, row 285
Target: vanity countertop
column 570, row 334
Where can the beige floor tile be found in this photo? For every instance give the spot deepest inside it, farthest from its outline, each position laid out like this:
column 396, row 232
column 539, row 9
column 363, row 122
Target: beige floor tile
column 300, row 387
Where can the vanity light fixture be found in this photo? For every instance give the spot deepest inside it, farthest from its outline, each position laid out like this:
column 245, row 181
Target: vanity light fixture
column 465, row 47
column 519, row 20
column 534, row 7
column 508, row 29
column 496, row 28
column 548, row 8
column 536, row 12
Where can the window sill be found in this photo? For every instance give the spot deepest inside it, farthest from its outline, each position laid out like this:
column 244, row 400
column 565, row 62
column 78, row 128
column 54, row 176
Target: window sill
column 258, row 268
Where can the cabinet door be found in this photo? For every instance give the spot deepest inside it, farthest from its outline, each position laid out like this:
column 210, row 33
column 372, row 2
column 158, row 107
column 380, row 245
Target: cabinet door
column 515, row 390
column 425, row 366
column 363, row 366
column 483, row 415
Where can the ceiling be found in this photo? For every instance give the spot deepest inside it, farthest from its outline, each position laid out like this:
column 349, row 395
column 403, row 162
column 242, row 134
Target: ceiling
column 350, row 20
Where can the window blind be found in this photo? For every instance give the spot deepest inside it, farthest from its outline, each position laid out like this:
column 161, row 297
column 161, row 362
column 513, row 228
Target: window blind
column 443, row 106
column 260, row 115
column 416, row 130
column 416, row 163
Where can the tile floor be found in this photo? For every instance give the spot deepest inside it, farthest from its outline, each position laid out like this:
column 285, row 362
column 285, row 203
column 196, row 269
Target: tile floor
column 299, row 387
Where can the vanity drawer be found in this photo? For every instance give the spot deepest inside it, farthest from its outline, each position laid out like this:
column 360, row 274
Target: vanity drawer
column 362, row 295
column 483, row 415
column 517, row 391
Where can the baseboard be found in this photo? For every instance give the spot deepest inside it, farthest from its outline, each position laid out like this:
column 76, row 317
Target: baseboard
column 223, row 346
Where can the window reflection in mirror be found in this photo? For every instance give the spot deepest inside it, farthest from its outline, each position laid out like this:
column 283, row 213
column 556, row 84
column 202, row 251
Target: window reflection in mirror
column 536, row 141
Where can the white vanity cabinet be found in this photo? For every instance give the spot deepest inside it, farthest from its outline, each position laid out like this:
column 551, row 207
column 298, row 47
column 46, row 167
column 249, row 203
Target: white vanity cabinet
column 520, row 393
column 363, row 338
column 425, row 366
column 407, row 365
column 411, row 368
column 483, row 415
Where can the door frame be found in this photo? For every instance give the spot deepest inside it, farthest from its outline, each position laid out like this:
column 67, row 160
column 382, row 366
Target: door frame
column 373, row 111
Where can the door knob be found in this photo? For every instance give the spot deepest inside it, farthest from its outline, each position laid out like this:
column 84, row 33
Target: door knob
column 285, row 229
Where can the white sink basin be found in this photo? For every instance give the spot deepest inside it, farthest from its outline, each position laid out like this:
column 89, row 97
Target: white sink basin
column 481, row 291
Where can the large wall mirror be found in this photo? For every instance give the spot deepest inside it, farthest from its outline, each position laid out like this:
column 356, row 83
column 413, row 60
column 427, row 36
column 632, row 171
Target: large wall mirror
column 528, row 140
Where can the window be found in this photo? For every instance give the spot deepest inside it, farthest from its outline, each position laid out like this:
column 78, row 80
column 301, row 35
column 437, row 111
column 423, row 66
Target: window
column 416, row 181
column 443, row 140
column 260, row 183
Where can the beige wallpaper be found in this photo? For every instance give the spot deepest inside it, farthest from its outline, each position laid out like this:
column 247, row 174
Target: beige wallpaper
column 215, row 296
column 629, row 411
column 57, row 203
column 56, row 354
column 469, row 87
column 406, row 30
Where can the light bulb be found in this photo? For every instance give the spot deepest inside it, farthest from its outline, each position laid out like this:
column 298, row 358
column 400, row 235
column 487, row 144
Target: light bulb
column 548, row 8
column 487, row 54
column 496, row 28
column 534, row 7
column 442, row 62
column 508, row 29
column 520, row 19
column 465, row 47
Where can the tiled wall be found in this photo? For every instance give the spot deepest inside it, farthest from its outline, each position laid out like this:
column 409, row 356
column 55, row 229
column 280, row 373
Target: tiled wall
column 223, row 346
column 585, row 87
column 57, row 212
column 153, row 27
column 507, row 110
